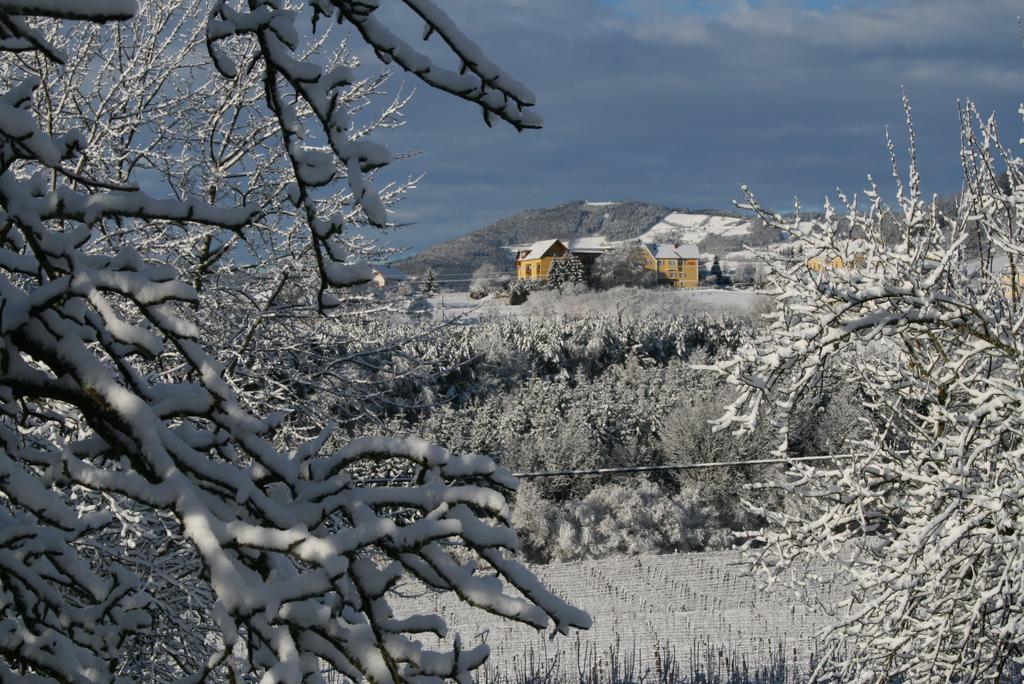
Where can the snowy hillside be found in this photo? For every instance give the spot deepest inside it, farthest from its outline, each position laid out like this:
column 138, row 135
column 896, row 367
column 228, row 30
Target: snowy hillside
column 460, row 257
column 694, row 228
column 716, row 232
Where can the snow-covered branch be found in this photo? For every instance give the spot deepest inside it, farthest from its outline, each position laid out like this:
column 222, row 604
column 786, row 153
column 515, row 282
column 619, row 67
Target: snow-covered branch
column 919, row 309
column 150, row 526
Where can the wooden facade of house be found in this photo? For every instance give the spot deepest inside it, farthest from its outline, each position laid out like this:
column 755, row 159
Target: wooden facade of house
column 676, row 263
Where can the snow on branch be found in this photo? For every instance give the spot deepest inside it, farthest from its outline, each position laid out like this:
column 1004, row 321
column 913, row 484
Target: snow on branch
column 303, row 94
column 96, row 10
column 478, row 80
column 918, row 306
column 150, row 526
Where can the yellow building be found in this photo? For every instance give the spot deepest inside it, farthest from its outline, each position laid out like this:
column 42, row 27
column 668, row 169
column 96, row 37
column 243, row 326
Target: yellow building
column 820, row 263
column 534, row 262
column 674, row 263
column 1009, row 291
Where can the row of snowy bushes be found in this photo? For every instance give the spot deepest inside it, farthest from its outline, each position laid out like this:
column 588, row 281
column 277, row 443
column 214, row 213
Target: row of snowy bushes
column 375, row 371
column 635, row 413
column 564, row 392
column 553, row 391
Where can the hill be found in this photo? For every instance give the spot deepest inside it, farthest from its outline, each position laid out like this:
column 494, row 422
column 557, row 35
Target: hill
column 717, row 231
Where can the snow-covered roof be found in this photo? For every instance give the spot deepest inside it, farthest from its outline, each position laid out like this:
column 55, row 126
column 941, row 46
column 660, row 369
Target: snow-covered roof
column 665, row 250
column 593, row 243
column 590, row 244
column 539, row 249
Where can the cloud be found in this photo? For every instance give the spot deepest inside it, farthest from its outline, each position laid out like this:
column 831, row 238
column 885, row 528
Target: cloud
column 679, row 102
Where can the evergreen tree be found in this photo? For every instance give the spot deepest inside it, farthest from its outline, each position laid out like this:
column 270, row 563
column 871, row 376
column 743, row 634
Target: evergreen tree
column 430, row 284
column 568, row 269
column 517, row 293
column 716, row 272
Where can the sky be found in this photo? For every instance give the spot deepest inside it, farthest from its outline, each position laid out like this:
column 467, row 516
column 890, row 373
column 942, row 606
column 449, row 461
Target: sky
column 680, row 102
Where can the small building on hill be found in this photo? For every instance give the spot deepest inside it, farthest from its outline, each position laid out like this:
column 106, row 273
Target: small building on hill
column 676, row 263
column 533, row 262
column 819, row 264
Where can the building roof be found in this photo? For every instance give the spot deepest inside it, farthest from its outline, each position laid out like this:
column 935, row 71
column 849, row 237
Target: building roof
column 667, row 250
column 590, row 244
column 539, row 249
column 593, row 244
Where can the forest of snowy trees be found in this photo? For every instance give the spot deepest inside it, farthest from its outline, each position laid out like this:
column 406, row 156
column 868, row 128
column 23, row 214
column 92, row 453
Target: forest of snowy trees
column 223, row 455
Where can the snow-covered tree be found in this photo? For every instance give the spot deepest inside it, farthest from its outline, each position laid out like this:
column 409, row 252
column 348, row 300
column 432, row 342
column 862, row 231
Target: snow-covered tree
column 922, row 315
column 487, row 278
column 715, row 272
column 120, row 85
column 517, row 292
column 623, row 265
column 430, row 285
column 121, row 435
column 568, row 270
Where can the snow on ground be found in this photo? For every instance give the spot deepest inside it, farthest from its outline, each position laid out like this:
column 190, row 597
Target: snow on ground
column 601, row 204
column 741, row 255
column 692, row 228
column 724, row 300
column 449, row 305
column 672, row 600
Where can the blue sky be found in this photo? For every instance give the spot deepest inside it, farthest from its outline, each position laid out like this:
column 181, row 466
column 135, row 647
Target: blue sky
column 679, row 103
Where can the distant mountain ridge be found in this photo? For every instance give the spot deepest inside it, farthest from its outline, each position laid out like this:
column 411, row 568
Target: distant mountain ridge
column 720, row 231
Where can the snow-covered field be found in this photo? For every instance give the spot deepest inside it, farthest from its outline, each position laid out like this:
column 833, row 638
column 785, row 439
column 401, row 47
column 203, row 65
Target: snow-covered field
column 692, row 228
column 725, row 300
column 674, row 601
column 449, row 305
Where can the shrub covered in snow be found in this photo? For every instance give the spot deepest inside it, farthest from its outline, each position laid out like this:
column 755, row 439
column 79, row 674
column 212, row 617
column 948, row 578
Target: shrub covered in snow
column 517, row 293
column 631, row 517
column 921, row 314
column 487, row 279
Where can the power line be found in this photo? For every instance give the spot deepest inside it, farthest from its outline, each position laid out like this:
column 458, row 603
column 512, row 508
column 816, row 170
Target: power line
column 679, row 466
column 642, row 469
